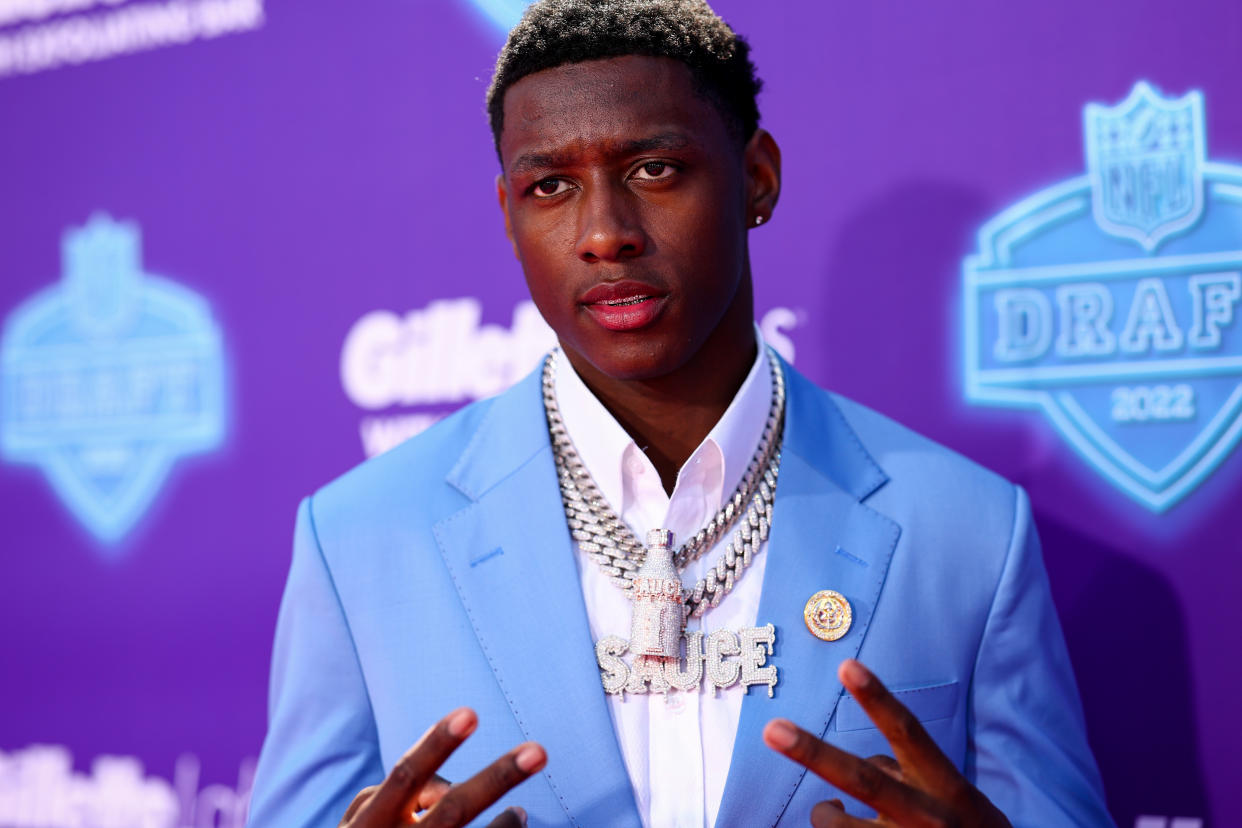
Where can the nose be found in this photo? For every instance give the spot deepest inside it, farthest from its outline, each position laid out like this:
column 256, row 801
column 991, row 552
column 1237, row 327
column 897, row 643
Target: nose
column 609, row 226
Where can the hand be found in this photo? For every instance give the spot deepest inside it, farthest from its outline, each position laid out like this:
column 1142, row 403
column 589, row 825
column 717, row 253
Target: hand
column 920, row 788
column 414, row 795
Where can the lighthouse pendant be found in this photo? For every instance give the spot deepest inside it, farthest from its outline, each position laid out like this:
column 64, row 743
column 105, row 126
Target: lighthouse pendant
column 659, row 610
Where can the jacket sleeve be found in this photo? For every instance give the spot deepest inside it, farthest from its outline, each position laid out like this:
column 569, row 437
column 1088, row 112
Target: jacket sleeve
column 1028, row 749
column 321, row 746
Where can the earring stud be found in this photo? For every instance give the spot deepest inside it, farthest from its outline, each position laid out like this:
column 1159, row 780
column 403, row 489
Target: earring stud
column 758, row 220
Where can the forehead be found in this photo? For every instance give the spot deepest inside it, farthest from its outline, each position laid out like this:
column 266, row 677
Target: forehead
column 597, row 103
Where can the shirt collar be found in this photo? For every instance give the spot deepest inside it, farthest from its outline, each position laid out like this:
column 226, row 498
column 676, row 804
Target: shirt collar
column 606, row 449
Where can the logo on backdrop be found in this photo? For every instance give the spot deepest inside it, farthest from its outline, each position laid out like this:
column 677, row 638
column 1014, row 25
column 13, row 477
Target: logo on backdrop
column 504, row 14
column 37, row 35
column 412, row 370
column 1110, row 301
column 108, row 377
column 39, row 788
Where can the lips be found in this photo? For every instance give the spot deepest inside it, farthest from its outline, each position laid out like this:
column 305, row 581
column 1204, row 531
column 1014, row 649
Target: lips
column 623, row 306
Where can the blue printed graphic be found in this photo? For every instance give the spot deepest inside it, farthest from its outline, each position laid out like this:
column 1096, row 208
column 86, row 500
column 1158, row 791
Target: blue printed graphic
column 1145, row 158
column 504, row 14
column 108, row 377
column 1110, row 301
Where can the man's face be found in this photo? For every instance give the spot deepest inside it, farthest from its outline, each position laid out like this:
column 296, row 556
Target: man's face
column 626, row 201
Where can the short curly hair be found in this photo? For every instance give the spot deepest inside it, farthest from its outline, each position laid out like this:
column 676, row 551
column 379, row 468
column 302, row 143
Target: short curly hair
column 556, row 32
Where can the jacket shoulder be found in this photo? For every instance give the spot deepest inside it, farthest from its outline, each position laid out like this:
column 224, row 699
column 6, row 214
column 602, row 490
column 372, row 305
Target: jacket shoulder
column 931, row 485
column 899, row 449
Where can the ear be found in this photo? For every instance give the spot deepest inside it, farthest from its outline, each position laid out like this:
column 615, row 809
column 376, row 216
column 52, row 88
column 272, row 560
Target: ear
column 502, row 195
column 762, row 158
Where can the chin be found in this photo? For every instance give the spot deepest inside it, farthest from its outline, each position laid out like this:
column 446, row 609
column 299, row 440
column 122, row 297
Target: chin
column 631, row 356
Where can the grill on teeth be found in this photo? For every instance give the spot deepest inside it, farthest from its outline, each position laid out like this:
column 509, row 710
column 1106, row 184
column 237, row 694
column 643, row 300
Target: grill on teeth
column 633, row 301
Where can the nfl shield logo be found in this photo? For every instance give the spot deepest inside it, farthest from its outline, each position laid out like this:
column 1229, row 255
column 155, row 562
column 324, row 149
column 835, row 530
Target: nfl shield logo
column 1112, row 301
column 1145, row 158
column 108, row 377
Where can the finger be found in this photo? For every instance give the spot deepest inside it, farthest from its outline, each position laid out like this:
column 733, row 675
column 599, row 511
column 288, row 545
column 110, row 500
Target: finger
column 434, row 788
column 887, row 764
column 831, row 814
column 418, row 766
column 922, row 761
column 466, row 800
column 857, row 777
column 511, row 817
column 426, row 796
column 361, row 799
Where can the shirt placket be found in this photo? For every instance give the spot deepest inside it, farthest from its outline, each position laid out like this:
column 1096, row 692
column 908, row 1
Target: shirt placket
column 675, row 720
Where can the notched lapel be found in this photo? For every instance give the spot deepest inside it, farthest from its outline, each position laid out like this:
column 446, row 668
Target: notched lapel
column 824, row 473
column 511, row 561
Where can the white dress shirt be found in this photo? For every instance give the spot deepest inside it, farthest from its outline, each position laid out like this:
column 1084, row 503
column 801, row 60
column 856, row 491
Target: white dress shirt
column 676, row 747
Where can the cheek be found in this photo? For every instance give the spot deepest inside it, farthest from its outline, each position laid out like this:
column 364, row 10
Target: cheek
column 708, row 249
column 550, row 289
column 550, row 304
column 708, row 222
column 544, row 238
column 539, row 255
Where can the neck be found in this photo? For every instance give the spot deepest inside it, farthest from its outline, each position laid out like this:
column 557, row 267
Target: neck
column 669, row 416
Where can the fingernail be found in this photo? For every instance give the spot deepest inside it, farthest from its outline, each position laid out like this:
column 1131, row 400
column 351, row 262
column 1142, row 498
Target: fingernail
column 460, row 723
column 518, row 812
column 853, row 673
column 781, row 734
column 529, row 759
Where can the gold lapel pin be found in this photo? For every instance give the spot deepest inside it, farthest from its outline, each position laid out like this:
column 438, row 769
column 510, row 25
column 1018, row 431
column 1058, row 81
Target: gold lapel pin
column 828, row 615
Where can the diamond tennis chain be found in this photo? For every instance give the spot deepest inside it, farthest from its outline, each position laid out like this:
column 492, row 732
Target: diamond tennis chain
column 608, row 541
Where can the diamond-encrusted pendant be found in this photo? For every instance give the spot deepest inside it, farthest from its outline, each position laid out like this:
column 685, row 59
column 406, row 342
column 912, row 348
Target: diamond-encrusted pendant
column 659, row 607
column 717, row 661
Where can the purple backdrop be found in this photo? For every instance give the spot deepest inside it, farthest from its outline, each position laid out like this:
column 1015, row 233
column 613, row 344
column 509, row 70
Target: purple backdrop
column 301, row 167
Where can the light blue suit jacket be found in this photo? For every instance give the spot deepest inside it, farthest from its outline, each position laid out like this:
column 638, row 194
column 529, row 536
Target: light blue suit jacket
column 441, row 574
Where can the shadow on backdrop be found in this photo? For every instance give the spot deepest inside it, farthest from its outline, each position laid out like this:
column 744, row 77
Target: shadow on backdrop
column 897, row 261
column 1127, row 638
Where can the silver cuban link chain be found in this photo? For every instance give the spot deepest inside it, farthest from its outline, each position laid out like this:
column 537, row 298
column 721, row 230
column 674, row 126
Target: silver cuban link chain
column 608, row 541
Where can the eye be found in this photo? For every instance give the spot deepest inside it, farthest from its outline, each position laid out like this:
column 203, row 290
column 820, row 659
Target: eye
column 549, row 187
column 654, row 171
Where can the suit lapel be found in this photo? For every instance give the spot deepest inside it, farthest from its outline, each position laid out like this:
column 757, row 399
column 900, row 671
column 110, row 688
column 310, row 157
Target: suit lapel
column 510, row 557
column 823, row 537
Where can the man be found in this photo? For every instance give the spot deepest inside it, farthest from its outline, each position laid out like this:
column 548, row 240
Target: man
column 444, row 573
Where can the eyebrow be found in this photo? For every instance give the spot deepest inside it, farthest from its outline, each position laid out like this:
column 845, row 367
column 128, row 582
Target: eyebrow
column 530, row 161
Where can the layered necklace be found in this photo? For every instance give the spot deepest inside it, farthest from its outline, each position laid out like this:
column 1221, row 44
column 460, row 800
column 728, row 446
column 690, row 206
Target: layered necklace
column 650, row 574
